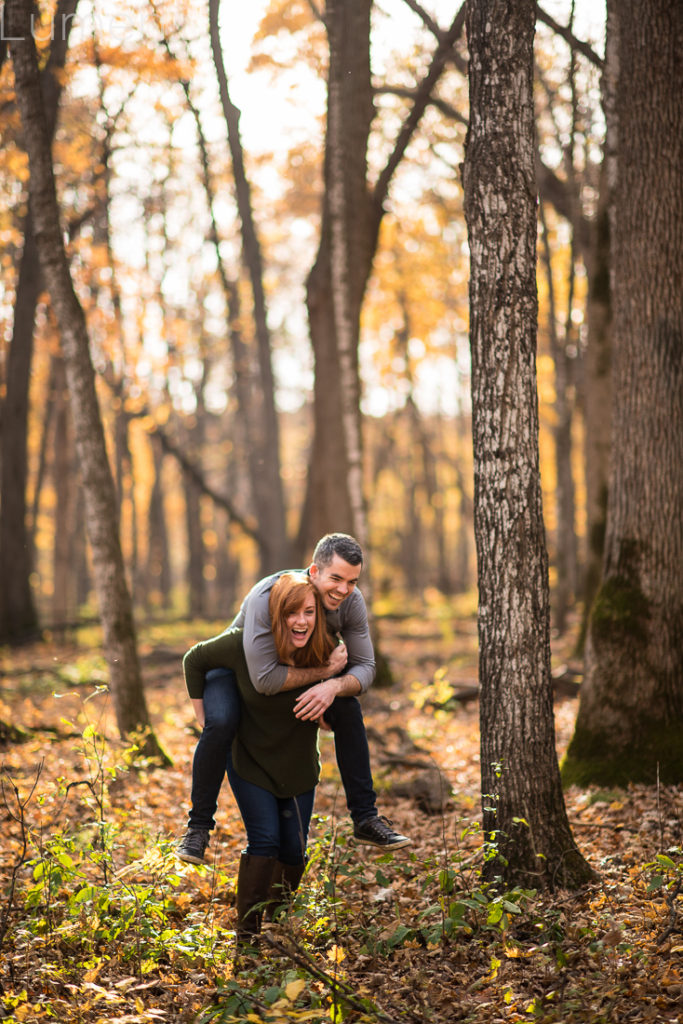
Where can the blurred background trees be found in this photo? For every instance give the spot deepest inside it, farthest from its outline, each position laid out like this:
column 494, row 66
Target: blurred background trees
column 199, row 243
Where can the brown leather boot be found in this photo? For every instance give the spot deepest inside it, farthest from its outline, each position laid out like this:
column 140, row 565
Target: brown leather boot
column 253, row 890
column 283, row 885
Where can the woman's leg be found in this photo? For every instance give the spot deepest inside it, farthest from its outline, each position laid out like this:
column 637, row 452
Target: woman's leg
column 295, row 817
column 258, row 862
column 222, row 715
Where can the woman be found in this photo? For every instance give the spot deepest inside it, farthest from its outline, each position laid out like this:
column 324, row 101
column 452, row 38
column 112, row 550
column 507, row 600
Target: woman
column 274, row 764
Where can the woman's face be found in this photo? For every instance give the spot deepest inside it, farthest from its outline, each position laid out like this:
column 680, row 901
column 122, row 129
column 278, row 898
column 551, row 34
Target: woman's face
column 301, row 623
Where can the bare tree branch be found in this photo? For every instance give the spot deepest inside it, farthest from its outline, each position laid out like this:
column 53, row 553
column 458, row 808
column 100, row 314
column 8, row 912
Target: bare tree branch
column 569, row 37
column 422, row 99
column 437, row 31
column 248, row 525
column 315, row 10
column 411, row 94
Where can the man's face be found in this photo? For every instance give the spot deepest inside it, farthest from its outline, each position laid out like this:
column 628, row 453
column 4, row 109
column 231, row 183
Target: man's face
column 334, row 582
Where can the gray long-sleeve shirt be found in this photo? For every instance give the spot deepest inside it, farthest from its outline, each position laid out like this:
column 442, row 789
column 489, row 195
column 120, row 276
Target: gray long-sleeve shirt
column 350, row 619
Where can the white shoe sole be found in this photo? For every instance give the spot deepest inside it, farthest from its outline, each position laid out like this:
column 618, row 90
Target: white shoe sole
column 359, row 841
column 189, row 858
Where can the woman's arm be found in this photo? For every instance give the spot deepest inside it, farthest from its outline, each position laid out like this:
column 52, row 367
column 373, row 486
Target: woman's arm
column 222, row 651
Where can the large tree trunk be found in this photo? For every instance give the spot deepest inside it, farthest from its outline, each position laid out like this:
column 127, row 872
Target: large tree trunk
column 18, row 618
column 630, row 721
column 329, row 503
column 269, row 493
column 597, row 397
column 524, row 816
column 343, row 262
column 349, row 114
column 115, row 605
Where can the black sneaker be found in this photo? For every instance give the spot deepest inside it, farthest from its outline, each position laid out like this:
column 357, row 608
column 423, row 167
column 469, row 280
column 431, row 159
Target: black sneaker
column 191, row 847
column 378, row 832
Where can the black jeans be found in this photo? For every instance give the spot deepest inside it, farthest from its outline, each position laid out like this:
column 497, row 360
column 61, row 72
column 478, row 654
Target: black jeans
column 222, row 714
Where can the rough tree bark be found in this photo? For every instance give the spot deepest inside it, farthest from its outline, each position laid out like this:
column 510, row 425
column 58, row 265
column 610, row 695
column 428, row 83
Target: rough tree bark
column 524, row 816
column 18, row 616
column 630, row 721
column 115, row 605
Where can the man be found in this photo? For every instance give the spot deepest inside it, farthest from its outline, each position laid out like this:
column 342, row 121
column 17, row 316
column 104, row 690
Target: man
column 332, row 700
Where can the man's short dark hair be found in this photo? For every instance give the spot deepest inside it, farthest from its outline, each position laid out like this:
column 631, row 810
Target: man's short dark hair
column 337, row 544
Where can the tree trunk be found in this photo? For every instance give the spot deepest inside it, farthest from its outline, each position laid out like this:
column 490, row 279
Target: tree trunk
column 267, row 480
column 349, row 113
column 196, row 553
column 565, row 530
column 525, row 822
column 18, row 617
column 262, row 450
column 630, row 721
column 329, row 501
column 597, row 398
column 115, row 605
column 157, row 577
column 66, row 485
column 196, row 549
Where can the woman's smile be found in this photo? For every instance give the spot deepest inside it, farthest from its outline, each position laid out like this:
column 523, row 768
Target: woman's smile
column 300, row 624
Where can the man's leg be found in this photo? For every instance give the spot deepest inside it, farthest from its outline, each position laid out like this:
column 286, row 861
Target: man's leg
column 345, row 718
column 221, row 719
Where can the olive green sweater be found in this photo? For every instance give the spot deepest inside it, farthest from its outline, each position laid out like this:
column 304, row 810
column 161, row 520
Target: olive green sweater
column 273, row 748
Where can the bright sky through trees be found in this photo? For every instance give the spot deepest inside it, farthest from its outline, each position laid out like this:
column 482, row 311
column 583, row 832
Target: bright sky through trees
column 276, row 118
column 278, row 112
column 265, row 111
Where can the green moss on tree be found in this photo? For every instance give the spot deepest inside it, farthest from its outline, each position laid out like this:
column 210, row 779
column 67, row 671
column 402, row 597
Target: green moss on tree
column 619, row 612
column 655, row 754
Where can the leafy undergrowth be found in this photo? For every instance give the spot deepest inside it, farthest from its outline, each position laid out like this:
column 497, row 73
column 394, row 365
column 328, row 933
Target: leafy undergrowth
column 100, row 922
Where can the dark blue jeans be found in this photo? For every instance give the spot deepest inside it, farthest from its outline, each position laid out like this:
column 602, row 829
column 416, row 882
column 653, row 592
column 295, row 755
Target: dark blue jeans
column 222, row 715
column 276, row 826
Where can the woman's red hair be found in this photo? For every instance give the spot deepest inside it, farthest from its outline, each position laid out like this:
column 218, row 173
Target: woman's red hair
column 287, row 595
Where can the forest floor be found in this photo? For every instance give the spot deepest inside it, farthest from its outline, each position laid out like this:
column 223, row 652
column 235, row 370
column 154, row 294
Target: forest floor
column 100, row 922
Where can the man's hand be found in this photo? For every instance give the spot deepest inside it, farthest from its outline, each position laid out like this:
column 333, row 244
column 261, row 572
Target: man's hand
column 336, row 662
column 298, row 677
column 314, row 702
